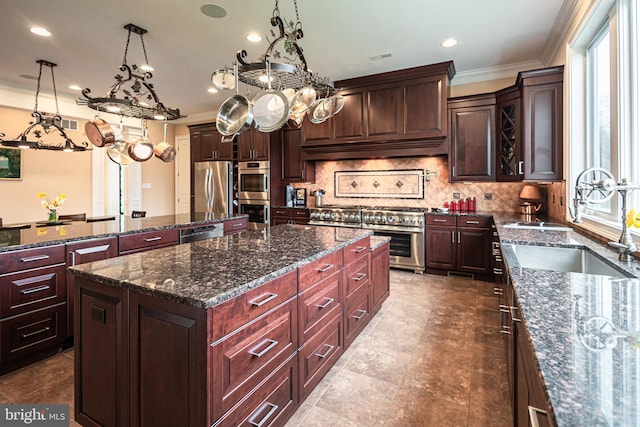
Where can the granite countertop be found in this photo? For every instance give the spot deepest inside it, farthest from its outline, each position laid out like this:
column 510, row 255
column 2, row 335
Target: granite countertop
column 585, row 330
column 377, row 241
column 206, row 273
column 36, row 235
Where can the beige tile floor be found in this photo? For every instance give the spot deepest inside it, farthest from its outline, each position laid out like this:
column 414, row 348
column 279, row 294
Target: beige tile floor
column 431, row 357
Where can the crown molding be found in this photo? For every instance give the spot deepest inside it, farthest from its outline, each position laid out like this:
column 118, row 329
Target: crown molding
column 494, row 73
column 561, row 27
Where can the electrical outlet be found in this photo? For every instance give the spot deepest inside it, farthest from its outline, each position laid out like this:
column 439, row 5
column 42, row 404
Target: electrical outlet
column 456, row 196
column 488, row 196
column 561, row 200
column 553, row 199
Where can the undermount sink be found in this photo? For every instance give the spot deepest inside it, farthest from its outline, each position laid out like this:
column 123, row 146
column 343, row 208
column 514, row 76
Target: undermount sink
column 576, row 260
column 538, row 225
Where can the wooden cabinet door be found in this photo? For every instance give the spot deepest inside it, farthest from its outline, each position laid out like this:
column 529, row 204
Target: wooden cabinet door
column 425, row 107
column 253, row 145
column 509, row 164
column 349, row 124
column 472, row 139
column 542, row 131
column 208, row 141
column 379, row 276
column 441, row 247
column 244, row 145
column 294, row 168
column 318, row 134
column 300, row 216
column 474, row 250
column 384, row 118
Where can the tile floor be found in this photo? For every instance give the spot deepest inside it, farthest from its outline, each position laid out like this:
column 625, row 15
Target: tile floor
column 431, row 357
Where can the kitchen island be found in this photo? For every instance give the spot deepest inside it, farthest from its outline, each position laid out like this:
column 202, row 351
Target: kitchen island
column 218, row 332
column 582, row 332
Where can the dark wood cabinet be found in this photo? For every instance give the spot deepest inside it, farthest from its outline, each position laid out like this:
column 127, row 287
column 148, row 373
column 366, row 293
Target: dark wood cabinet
column 509, row 164
column 472, row 138
column 80, row 253
column 379, row 264
column 284, row 215
column 294, row 167
column 139, row 242
column 33, row 305
column 253, row 145
column 395, row 114
column 206, row 144
column 233, row 226
column 458, row 243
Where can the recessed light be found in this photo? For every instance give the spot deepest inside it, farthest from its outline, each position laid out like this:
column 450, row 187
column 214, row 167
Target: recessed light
column 213, row 10
column 146, row 68
column 381, row 56
column 449, row 42
column 212, row 90
column 75, row 87
column 263, row 78
column 40, row 31
column 254, row 37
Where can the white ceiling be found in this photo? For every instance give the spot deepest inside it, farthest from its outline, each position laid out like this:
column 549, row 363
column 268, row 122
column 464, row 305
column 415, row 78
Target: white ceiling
column 185, row 46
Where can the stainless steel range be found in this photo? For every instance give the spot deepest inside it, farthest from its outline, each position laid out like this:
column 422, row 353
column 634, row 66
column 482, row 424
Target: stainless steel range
column 405, row 226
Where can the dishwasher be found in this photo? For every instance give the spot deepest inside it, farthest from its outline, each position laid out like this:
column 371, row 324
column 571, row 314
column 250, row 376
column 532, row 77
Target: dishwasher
column 194, row 234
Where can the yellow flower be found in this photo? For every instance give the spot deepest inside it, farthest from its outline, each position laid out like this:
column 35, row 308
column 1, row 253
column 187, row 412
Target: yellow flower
column 633, row 219
column 41, row 195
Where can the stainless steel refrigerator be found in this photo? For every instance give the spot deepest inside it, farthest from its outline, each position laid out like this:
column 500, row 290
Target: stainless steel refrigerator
column 213, row 187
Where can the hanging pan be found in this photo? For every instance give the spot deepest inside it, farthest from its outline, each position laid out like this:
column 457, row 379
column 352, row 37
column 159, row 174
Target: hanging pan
column 235, row 114
column 99, row 132
column 165, row 151
column 223, row 79
column 270, row 107
column 118, row 152
column 141, row 149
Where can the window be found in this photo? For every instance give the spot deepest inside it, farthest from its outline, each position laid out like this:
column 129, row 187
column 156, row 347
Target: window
column 604, row 107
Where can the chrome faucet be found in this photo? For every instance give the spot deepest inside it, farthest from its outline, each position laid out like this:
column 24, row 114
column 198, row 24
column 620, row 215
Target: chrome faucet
column 596, row 185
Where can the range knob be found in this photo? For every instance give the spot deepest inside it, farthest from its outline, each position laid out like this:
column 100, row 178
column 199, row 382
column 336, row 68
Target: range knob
column 414, row 221
column 334, row 216
column 420, row 221
column 406, row 220
column 392, row 218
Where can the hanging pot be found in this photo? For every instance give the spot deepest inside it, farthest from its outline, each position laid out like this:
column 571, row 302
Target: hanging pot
column 303, row 99
column 295, row 121
column 270, row 108
column 223, row 79
column 99, row 132
column 118, row 153
column 235, row 114
column 165, row 151
column 141, row 149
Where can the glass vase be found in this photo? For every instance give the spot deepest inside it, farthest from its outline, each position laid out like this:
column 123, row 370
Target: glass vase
column 53, row 215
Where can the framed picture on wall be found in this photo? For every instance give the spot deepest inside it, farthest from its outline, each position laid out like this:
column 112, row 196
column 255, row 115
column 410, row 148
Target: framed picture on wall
column 10, row 163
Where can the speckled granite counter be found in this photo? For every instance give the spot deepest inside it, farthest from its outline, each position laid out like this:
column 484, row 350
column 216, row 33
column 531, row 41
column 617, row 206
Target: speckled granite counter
column 377, row 241
column 34, row 236
column 585, row 330
column 206, row 273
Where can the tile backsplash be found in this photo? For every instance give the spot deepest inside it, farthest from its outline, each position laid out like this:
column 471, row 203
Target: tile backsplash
column 504, row 197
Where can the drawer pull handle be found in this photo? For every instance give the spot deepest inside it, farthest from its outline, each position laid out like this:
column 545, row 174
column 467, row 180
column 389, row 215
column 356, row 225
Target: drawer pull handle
column 533, row 415
column 238, row 224
column 32, row 290
column 325, row 269
column 472, row 222
column 359, row 249
column 153, row 239
column 359, row 277
column 439, row 220
column 326, row 304
column 497, row 291
column 264, row 419
column 362, row 313
column 34, row 258
column 256, row 353
column 39, row 331
column 327, row 351
column 268, row 298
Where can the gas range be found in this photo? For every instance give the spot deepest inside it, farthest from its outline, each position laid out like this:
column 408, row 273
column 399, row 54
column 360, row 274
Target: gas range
column 336, row 215
column 367, row 216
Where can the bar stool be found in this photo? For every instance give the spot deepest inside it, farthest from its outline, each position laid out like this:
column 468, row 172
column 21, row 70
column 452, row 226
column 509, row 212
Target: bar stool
column 138, row 214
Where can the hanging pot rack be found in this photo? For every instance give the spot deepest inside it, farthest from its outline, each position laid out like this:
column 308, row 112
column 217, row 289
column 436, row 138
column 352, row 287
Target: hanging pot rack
column 44, row 123
column 138, row 98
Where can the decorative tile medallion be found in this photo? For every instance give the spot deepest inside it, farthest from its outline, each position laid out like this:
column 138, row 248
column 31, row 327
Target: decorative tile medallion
column 399, row 184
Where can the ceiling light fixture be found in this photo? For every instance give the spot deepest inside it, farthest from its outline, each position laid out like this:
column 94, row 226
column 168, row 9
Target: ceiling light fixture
column 44, row 124
column 40, row 31
column 75, row 87
column 291, row 76
column 254, row 37
column 212, row 90
column 213, row 10
column 449, row 42
column 135, row 92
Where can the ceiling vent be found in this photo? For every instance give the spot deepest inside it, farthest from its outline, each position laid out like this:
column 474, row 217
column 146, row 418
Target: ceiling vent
column 67, row 124
column 381, row 56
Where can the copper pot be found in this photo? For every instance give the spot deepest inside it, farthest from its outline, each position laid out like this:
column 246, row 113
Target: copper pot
column 529, row 209
column 99, row 132
column 165, row 151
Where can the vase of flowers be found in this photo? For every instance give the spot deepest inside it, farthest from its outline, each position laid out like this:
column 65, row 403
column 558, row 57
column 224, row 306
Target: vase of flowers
column 52, row 205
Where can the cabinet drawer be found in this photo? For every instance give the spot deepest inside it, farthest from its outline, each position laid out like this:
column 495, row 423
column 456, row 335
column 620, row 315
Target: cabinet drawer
column 230, row 315
column 31, row 258
column 280, row 212
column 317, row 356
column 317, row 304
column 29, row 290
column 33, row 331
column 235, row 225
column 91, row 250
column 356, row 250
column 356, row 276
column 300, row 214
column 441, row 220
column 240, row 362
column 319, row 269
column 474, row 222
column 148, row 240
column 356, row 315
column 270, row 404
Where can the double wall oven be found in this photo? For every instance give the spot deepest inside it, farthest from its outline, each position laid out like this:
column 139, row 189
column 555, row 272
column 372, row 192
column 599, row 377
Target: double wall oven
column 405, row 227
column 253, row 192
